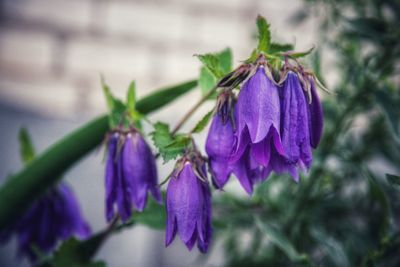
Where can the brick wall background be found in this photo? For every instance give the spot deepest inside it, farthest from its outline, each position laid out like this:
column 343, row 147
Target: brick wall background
column 53, row 51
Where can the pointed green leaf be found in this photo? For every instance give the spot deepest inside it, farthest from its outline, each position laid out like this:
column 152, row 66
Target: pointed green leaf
column 131, row 97
column 218, row 64
column 107, row 94
column 281, row 241
column 168, row 146
column 206, row 80
column 277, row 47
column 302, row 54
column 203, row 122
column 26, row 147
column 264, row 34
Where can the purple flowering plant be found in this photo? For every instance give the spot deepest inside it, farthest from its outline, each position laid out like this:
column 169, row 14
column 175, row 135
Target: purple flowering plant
column 266, row 120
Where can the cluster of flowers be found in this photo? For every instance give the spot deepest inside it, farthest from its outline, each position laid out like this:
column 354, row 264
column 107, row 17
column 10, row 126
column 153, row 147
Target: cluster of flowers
column 271, row 126
column 53, row 217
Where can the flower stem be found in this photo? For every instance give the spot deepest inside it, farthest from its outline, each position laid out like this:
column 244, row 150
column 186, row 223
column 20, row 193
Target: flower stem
column 192, row 110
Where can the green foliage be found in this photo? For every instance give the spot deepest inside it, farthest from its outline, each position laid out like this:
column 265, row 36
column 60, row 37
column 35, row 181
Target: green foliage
column 264, row 35
column 153, row 216
column 215, row 66
column 169, row 146
column 21, row 189
column 203, row 122
column 393, row 179
column 26, row 149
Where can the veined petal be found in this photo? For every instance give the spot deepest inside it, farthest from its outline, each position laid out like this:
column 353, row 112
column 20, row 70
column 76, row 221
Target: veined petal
column 220, row 139
column 111, row 178
column 258, row 106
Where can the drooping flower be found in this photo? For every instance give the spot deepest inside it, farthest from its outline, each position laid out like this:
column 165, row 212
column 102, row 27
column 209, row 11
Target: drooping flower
column 258, row 119
column 220, row 144
column 130, row 173
column 295, row 132
column 53, row 217
column 189, row 203
column 315, row 116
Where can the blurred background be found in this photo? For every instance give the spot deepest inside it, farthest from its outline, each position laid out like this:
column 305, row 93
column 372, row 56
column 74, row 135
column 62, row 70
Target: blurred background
column 52, row 53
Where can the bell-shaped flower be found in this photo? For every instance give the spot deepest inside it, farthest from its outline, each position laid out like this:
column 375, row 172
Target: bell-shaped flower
column 258, row 119
column 295, row 131
column 130, row 173
column 53, row 217
column 189, row 204
column 219, row 147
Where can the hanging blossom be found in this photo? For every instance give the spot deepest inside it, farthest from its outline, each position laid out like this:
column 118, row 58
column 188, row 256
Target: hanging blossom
column 189, row 203
column 130, row 173
column 258, row 118
column 220, row 144
column 279, row 125
column 53, row 217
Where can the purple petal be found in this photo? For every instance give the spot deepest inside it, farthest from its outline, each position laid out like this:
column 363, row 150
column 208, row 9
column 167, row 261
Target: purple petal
column 258, row 106
column 220, row 171
column 295, row 130
column 171, row 229
column 185, row 201
column 243, row 171
column 111, row 178
column 316, row 117
column 220, row 139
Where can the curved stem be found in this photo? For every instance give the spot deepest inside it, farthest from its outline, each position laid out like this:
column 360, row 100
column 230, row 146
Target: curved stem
column 192, row 110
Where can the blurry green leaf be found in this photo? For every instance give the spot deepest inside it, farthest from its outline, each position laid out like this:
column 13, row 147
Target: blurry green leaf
column 203, row 122
column 153, row 215
column 169, row 146
column 388, row 101
column 206, row 80
column 215, row 66
column 332, row 247
column 74, row 253
column 131, row 97
column 278, row 239
column 264, row 35
column 302, row 54
column 116, row 107
column 26, row 147
column 47, row 168
column 393, row 179
column 372, row 28
column 379, row 195
column 277, row 47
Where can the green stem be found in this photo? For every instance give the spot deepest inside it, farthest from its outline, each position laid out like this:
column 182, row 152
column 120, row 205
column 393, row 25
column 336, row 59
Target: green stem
column 193, row 109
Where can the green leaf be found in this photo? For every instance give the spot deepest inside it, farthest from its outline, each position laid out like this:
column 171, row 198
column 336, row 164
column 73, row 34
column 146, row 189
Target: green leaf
column 203, row 122
column 131, row 97
column 168, row 146
column 264, row 35
column 281, row 241
column 388, row 101
column 18, row 192
column 333, row 248
column 153, row 216
column 277, row 48
column 393, row 179
column 206, row 80
column 116, row 106
column 26, row 147
column 218, row 64
column 302, row 54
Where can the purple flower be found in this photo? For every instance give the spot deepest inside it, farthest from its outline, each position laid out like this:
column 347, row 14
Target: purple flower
column 295, row 132
column 258, row 119
column 189, row 205
column 53, row 217
column 130, row 173
column 219, row 147
column 315, row 117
